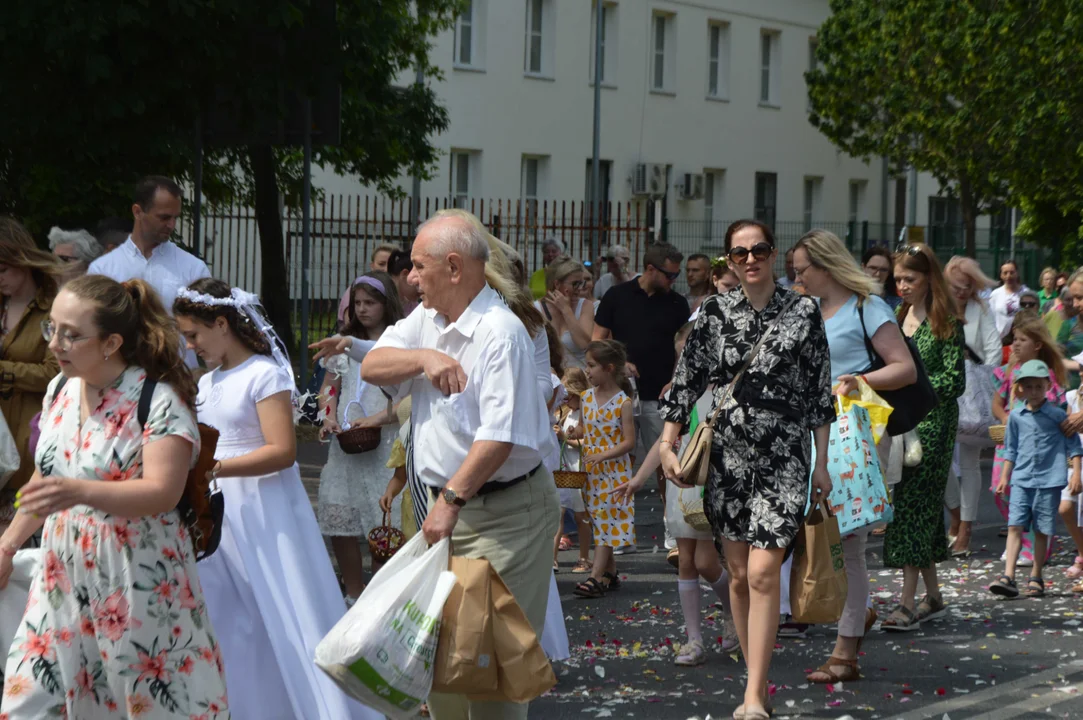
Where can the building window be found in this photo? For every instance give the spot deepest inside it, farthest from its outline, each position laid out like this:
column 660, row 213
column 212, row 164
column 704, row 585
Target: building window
column 538, row 45
column 712, row 204
column 718, row 60
column 608, row 65
column 813, row 202
column 766, row 198
column 532, row 182
column 469, row 52
column 857, row 201
column 462, row 178
column 769, row 67
column 662, row 52
column 943, row 210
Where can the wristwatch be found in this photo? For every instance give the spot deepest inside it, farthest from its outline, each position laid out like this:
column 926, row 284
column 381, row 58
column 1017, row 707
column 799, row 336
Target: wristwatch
column 451, row 498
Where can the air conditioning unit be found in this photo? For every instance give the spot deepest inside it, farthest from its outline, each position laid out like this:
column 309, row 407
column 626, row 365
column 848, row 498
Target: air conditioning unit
column 692, row 189
column 649, row 179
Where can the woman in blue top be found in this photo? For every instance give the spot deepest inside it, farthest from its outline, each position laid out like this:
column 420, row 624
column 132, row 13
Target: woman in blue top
column 846, row 294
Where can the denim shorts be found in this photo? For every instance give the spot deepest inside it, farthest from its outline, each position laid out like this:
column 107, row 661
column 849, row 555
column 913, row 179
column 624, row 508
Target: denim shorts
column 1034, row 509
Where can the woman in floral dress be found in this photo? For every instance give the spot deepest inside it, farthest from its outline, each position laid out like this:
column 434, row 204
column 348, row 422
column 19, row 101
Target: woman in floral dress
column 115, row 626
column 760, row 465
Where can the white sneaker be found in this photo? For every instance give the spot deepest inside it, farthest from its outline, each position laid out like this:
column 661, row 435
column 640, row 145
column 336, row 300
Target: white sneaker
column 626, row 550
column 1021, row 562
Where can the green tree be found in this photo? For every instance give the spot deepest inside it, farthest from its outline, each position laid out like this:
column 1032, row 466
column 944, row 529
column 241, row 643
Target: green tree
column 99, row 93
column 907, row 79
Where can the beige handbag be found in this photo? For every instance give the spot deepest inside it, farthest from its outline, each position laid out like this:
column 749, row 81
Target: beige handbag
column 696, row 459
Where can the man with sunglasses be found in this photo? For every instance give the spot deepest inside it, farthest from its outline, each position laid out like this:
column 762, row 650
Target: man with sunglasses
column 645, row 314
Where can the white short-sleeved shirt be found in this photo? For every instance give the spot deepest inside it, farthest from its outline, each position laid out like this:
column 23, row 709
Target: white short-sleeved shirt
column 227, row 402
column 1005, row 304
column 167, row 271
column 846, row 338
column 502, row 401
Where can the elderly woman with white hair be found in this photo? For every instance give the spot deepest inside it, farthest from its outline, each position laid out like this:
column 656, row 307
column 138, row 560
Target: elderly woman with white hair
column 551, row 250
column 77, row 248
column 983, row 348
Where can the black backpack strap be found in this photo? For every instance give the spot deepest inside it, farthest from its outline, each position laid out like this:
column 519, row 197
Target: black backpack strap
column 59, row 386
column 146, row 395
column 869, row 349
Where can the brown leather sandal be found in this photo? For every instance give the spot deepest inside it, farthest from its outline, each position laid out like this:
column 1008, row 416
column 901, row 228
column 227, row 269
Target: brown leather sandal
column 849, row 675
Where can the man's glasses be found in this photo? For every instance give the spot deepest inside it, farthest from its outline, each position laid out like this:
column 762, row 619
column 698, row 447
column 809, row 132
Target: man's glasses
column 671, row 275
column 64, row 340
column 759, row 253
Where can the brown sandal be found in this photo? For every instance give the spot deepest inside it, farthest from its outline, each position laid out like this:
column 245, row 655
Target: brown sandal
column 849, row 675
column 590, row 589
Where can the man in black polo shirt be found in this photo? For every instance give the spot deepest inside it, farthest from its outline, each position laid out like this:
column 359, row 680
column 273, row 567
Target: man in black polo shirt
column 645, row 315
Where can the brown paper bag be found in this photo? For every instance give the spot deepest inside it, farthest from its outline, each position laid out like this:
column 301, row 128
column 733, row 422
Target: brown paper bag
column 524, row 670
column 465, row 659
column 818, row 577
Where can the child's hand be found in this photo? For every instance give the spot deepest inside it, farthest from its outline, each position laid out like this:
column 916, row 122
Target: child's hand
column 1002, row 488
column 1075, row 486
column 330, row 427
column 560, row 434
column 626, row 491
column 386, row 499
column 576, row 433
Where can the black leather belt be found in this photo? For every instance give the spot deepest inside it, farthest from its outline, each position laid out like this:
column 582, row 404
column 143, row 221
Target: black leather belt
column 491, row 487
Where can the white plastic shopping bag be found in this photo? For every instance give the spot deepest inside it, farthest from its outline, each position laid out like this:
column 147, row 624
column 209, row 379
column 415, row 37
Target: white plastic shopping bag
column 9, row 453
column 383, row 650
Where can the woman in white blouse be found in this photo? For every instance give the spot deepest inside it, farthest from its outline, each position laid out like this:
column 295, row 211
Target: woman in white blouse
column 984, row 347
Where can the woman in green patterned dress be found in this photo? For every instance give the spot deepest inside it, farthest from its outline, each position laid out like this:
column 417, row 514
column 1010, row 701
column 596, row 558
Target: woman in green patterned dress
column 916, row 540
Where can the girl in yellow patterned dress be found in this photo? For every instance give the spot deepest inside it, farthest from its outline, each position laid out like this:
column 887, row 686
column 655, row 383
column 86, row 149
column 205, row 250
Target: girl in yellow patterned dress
column 610, row 437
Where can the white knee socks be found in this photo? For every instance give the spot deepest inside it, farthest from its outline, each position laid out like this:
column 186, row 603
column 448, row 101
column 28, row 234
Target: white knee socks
column 690, row 605
column 721, row 588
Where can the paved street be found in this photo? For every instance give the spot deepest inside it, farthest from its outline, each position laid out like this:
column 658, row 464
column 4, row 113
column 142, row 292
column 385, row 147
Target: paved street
column 987, row 659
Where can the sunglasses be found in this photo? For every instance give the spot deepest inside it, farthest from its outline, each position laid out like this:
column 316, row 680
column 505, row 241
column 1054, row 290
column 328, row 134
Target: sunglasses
column 1029, row 305
column 911, row 250
column 670, row 275
column 759, row 253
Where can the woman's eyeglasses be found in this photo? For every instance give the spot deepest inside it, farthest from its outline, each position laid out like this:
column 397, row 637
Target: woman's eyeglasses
column 759, row 253
column 64, row 340
column 1028, row 305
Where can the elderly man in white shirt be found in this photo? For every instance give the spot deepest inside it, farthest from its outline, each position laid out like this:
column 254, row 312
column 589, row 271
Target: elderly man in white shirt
column 481, row 428
column 148, row 253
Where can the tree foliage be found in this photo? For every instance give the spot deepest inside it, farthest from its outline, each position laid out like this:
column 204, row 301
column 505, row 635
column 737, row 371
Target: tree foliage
column 908, row 80
column 99, row 93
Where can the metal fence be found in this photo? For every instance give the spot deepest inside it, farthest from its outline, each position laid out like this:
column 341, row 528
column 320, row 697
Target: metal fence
column 345, row 230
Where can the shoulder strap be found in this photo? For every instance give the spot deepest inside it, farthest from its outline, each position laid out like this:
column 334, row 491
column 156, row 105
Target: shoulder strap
column 59, row 386
column 865, row 333
column 545, row 309
column 752, row 355
column 146, row 395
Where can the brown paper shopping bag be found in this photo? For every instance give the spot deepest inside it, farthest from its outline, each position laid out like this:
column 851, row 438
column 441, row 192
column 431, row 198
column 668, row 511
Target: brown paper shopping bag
column 818, row 577
column 465, row 660
column 524, row 670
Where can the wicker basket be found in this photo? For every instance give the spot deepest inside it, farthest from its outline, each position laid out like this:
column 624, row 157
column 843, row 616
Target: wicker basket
column 570, row 479
column 359, row 439
column 698, row 521
column 385, row 541
column 996, row 432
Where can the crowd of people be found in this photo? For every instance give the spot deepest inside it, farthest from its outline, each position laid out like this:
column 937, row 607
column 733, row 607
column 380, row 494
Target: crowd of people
column 483, row 381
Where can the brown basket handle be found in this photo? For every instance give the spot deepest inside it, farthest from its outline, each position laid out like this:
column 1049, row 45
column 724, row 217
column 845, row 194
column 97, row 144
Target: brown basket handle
column 387, row 519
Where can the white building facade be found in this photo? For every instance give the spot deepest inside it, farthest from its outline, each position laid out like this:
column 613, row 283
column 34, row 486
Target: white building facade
column 705, row 101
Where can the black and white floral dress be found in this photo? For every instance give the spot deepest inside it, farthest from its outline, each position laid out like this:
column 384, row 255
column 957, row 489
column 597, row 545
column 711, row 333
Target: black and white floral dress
column 758, row 482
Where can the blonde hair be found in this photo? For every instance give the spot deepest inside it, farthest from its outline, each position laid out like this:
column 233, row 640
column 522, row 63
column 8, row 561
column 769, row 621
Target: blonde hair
column 559, row 269
column 828, row 253
column 1032, row 325
column 575, row 381
column 970, row 268
column 1048, row 271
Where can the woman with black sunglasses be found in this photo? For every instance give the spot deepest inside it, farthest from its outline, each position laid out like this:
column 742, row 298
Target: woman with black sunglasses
column 570, row 315
column 757, row 486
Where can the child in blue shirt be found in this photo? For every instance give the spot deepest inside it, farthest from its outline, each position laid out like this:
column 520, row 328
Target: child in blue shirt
column 1035, row 458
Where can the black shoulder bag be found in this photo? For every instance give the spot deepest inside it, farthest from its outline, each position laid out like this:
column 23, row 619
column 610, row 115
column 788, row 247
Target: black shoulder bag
column 911, row 403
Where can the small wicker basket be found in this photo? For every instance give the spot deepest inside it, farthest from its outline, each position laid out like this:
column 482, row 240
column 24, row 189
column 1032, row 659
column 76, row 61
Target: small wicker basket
column 996, row 433
column 385, row 541
column 359, row 439
column 570, row 479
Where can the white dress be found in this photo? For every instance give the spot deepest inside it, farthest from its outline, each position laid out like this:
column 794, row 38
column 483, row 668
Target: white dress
column 351, row 485
column 270, row 589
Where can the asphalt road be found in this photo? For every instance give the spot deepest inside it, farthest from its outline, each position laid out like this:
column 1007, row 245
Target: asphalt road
column 987, row 659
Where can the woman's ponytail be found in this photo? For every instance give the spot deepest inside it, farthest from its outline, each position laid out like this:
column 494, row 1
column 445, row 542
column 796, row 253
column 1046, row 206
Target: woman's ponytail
column 150, row 337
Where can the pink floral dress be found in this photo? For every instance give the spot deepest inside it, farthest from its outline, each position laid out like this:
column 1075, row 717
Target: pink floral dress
column 115, row 625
